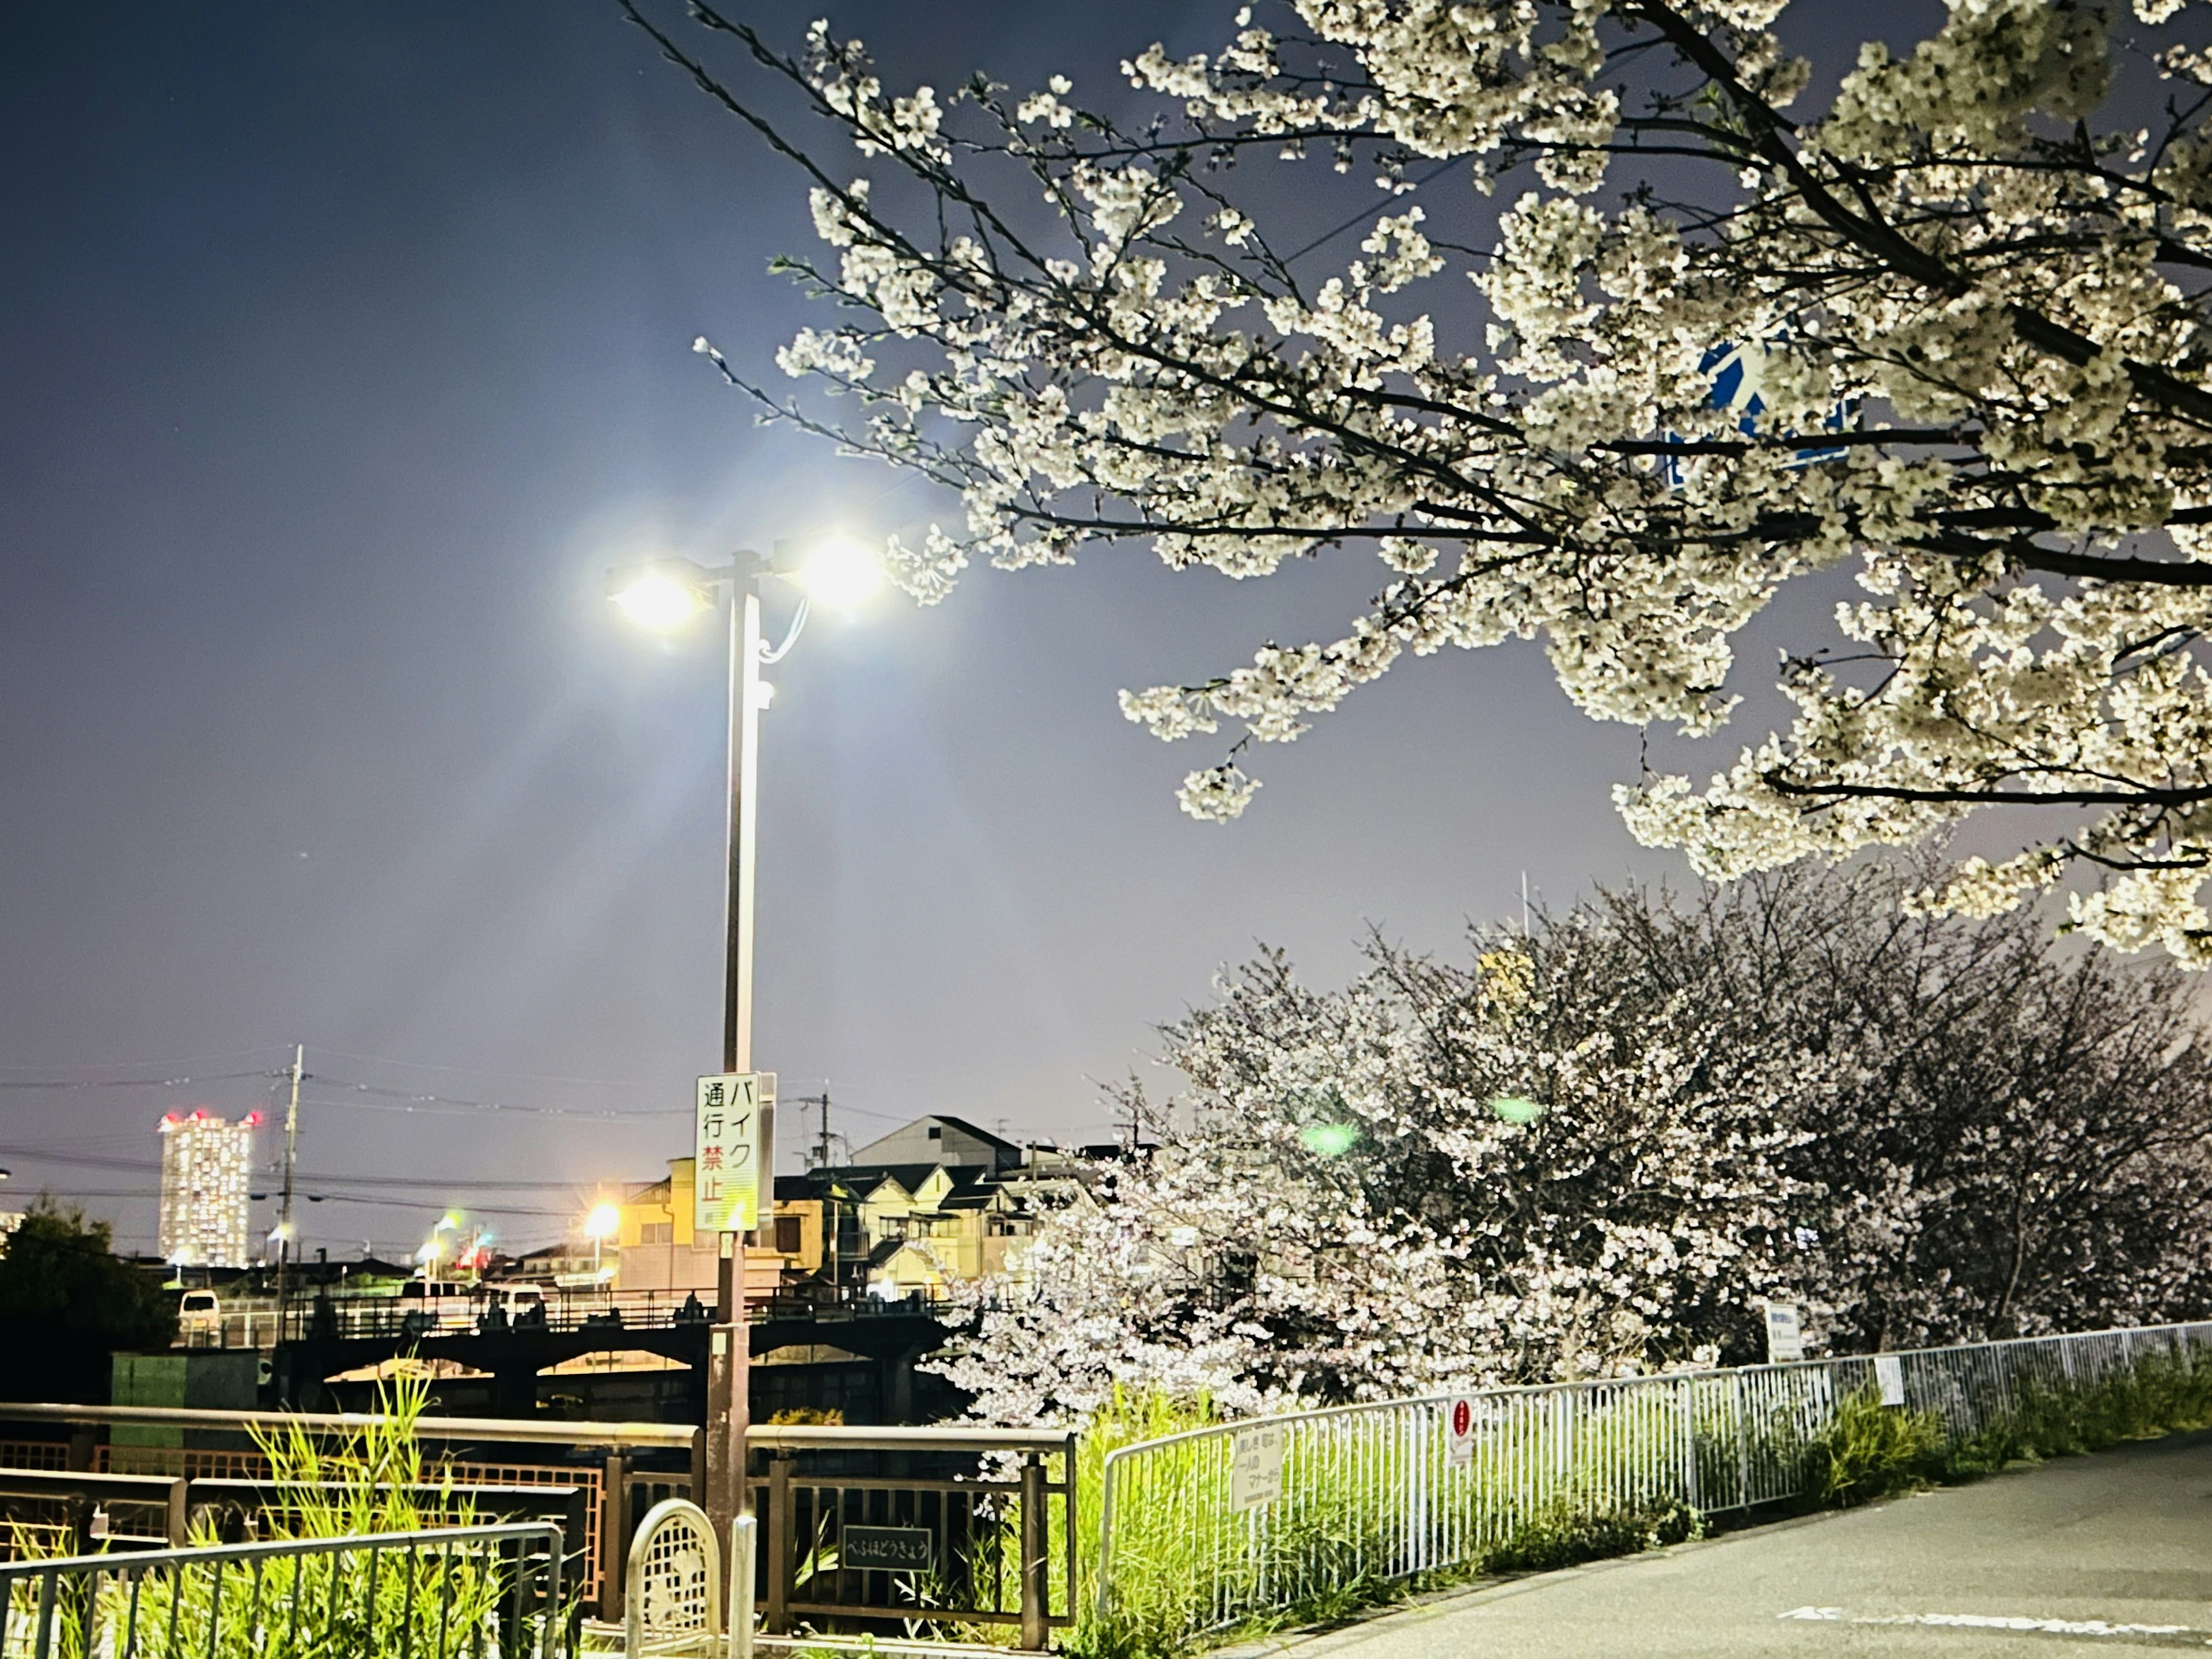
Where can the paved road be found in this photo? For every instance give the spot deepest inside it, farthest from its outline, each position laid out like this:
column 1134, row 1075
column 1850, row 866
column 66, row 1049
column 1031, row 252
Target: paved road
column 2086, row 1545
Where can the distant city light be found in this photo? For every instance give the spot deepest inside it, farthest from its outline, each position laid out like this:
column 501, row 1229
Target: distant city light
column 206, row 1218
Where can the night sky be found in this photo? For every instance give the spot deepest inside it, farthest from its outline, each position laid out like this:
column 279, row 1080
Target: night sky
column 345, row 346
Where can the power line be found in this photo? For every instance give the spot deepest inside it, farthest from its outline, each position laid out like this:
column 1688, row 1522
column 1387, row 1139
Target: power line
column 1366, row 214
column 330, row 1198
column 147, row 1166
column 480, row 1070
column 139, row 1065
column 413, row 1096
column 129, row 1082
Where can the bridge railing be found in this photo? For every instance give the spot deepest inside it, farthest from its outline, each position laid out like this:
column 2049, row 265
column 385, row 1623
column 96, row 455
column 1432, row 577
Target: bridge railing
column 1208, row 1530
column 307, row 1316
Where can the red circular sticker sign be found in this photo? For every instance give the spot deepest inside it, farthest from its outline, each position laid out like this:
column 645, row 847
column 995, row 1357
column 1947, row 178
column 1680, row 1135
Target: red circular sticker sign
column 1462, row 1418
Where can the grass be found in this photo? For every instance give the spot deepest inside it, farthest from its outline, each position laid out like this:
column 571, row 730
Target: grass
column 373, row 1480
column 1869, row 1451
column 1545, row 1490
column 1528, row 1502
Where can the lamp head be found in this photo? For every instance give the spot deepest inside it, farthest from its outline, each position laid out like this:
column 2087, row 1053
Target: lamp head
column 604, row 1222
column 662, row 594
column 839, row 572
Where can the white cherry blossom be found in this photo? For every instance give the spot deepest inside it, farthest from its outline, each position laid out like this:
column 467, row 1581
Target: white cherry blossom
column 1971, row 296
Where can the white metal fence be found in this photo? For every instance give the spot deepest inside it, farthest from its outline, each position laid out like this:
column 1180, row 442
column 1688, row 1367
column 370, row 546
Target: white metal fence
column 1330, row 1499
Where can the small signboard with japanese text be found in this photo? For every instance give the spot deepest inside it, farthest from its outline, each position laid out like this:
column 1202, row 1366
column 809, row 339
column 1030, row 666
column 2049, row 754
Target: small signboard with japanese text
column 734, row 1147
column 1889, row 1378
column 895, row 1549
column 1785, row 1333
column 1458, row 1432
column 1256, row 1468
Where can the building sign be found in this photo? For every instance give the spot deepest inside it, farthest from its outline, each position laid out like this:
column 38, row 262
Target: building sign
column 1889, row 1378
column 1458, row 1432
column 897, row 1549
column 1255, row 1466
column 732, row 1187
column 1785, row 1333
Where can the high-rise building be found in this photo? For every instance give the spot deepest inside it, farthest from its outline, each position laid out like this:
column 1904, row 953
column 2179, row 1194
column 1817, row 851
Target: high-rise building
column 207, row 1167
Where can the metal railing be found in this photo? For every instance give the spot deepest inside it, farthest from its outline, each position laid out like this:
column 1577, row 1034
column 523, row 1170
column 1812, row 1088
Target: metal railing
column 608, row 1484
column 309, row 1317
column 84, row 1510
column 1207, row 1529
column 959, row 1525
column 458, row 1593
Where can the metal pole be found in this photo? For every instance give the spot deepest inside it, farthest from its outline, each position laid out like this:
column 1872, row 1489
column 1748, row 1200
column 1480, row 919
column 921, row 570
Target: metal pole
column 744, row 791
column 740, row 1621
column 291, row 1159
column 728, row 1355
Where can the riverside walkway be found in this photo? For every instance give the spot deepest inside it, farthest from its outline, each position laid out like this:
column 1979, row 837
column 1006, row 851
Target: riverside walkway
column 2110, row 1551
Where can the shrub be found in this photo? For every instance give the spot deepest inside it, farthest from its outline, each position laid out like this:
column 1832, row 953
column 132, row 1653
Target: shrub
column 1867, row 1450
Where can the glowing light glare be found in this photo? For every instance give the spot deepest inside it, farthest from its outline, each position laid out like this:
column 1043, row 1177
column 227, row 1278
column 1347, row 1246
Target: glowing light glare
column 604, row 1222
column 841, row 574
column 1513, row 1108
column 659, row 601
column 1329, row 1139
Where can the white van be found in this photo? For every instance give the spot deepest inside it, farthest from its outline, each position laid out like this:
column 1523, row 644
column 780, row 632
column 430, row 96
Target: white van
column 435, row 1305
column 518, row 1304
column 521, row 1301
column 199, row 1320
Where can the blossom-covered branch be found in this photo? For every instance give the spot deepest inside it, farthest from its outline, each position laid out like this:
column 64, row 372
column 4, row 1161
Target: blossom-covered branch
column 1950, row 329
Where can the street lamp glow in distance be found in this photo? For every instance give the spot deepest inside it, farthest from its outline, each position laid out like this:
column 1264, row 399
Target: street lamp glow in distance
column 663, row 595
column 604, row 1222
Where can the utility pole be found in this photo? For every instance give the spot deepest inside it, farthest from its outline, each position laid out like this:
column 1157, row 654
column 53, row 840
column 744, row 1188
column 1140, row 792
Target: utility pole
column 822, row 1155
column 291, row 1161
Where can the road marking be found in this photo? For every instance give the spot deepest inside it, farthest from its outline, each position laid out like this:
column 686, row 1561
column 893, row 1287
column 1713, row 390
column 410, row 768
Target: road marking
column 2176, row 1634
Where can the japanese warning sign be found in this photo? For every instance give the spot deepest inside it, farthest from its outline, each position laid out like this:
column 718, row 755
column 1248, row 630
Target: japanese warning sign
column 736, row 1142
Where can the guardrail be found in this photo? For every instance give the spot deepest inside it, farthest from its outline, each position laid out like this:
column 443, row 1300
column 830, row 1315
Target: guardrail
column 1210, row 1528
column 456, row 1593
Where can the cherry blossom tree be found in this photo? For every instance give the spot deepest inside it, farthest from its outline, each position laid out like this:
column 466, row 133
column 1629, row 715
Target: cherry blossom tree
column 1597, row 1148
column 1946, row 331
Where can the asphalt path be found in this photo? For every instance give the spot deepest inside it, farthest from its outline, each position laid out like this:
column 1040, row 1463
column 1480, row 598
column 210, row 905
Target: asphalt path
column 2111, row 1552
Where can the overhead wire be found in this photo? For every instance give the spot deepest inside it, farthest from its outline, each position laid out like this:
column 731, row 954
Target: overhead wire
column 127, row 1082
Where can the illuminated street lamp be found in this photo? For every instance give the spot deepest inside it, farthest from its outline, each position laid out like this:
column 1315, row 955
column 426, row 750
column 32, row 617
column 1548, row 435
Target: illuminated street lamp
column 664, row 595
column 604, row 1222
column 434, row 1247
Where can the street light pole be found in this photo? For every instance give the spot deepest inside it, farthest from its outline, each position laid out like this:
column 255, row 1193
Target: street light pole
column 662, row 594
column 729, row 1342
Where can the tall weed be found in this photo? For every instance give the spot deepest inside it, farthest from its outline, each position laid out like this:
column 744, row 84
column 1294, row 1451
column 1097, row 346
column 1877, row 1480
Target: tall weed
column 426, row 1603
column 1867, row 1450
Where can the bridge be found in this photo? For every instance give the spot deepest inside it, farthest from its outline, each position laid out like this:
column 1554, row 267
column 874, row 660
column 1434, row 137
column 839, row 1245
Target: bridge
column 315, row 1341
